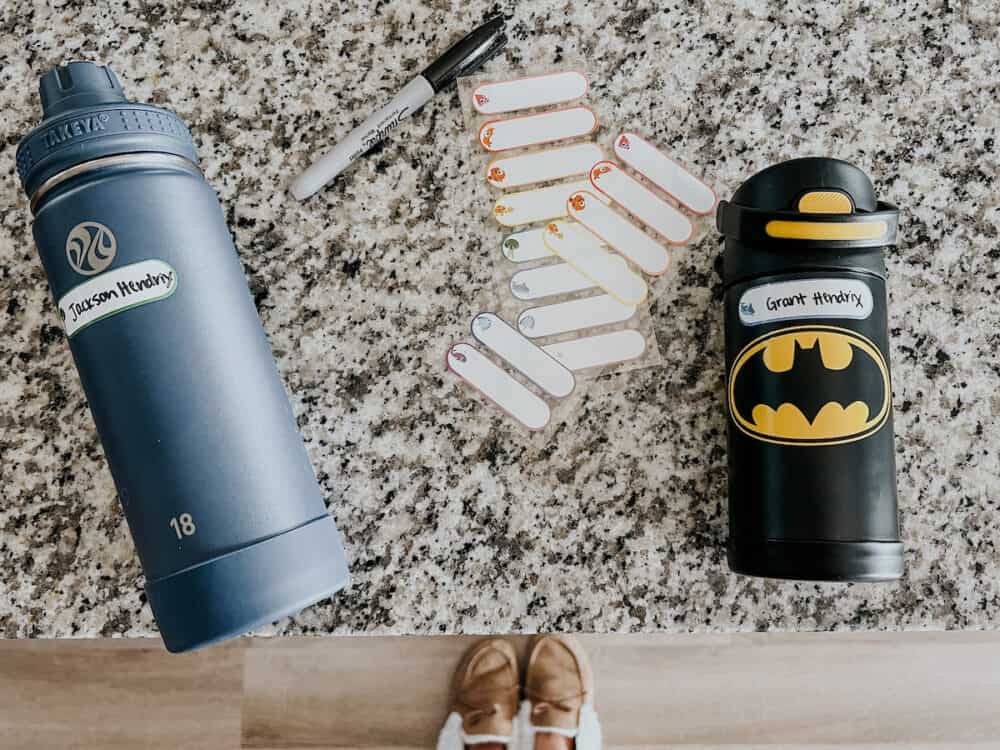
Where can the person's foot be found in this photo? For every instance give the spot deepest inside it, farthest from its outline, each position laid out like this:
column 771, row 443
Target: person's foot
column 559, row 697
column 484, row 699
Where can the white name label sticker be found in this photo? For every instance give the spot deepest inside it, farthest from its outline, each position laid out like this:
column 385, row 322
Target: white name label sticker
column 805, row 298
column 575, row 315
column 598, row 351
column 497, row 386
column 548, row 281
column 115, row 291
column 541, row 166
column 540, row 204
column 538, row 366
column 530, row 91
column 524, row 246
column 586, row 254
column 641, row 202
column 531, row 130
column 665, row 173
column 620, row 233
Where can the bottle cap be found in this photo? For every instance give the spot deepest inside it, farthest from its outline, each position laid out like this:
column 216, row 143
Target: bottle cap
column 86, row 117
column 78, row 84
column 813, row 213
column 780, row 186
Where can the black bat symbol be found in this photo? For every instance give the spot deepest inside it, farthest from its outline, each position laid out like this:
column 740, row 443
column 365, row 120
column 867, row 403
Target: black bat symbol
column 809, row 385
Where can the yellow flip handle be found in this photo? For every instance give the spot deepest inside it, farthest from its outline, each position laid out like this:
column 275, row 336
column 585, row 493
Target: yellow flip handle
column 825, row 230
column 825, row 202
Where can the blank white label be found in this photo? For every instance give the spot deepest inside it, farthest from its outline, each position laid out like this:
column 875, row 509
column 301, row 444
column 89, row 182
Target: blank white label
column 497, row 386
column 597, row 351
column 641, row 202
column 531, row 130
column 584, row 252
column 541, row 166
column 620, row 233
column 521, row 247
column 574, row 315
column 530, row 91
column 536, row 365
column 665, row 173
column 547, row 281
column 530, row 206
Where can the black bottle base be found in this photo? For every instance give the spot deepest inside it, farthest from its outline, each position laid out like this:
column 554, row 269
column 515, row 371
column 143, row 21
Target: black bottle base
column 862, row 562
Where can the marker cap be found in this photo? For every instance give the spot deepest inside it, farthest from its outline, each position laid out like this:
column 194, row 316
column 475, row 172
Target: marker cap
column 468, row 54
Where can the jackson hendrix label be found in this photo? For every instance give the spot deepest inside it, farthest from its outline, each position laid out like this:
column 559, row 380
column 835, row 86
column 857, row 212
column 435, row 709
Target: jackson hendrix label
column 115, row 291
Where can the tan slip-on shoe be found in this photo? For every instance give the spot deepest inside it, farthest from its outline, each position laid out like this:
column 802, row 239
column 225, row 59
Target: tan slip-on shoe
column 558, row 694
column 485, row 690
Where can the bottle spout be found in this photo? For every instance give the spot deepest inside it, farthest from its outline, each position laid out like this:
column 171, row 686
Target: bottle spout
column 78, row 84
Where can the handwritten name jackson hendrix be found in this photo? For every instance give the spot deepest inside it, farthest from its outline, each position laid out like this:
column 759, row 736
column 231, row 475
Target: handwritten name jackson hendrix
column 121, row 291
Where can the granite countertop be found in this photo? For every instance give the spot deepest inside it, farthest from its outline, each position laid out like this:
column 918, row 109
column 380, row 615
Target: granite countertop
column 618, row 523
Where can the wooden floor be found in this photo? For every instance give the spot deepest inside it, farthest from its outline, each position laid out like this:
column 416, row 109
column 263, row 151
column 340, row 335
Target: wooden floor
column 918, row 690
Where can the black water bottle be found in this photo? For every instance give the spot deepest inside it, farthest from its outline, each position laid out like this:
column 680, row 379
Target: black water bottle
column 812, row 485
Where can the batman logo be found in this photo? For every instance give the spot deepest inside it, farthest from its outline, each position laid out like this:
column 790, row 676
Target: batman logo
column 809, row 385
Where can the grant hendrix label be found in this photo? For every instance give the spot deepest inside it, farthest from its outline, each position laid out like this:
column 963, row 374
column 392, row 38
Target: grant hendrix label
column 116, row 291
column 806, row 298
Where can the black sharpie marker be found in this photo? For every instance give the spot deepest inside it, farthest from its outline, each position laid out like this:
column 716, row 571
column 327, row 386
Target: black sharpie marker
column 462, row 58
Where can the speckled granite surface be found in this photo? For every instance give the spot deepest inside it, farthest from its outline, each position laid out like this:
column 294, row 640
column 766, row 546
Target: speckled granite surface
column 619, row 523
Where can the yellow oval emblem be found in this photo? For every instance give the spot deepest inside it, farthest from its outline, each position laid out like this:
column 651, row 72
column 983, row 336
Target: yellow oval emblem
column 809, row 385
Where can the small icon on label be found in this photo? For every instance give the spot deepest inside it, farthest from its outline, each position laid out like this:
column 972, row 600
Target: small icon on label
column 746, row 308
column 90, row 247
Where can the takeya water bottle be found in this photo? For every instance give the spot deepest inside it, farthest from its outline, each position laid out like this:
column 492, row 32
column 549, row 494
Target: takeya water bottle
column 212, row 474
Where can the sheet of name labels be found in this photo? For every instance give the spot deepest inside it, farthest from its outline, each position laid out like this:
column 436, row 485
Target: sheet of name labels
column 587, row 234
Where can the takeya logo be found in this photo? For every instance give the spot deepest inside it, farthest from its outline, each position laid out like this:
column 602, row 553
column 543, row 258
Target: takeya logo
column 481, row 99
column 497, row 174
column 577, row 202
column 64, row 131
column 623, row 143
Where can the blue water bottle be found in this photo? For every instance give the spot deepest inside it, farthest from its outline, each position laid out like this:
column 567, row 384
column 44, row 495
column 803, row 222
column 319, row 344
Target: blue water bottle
column 221, row 499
